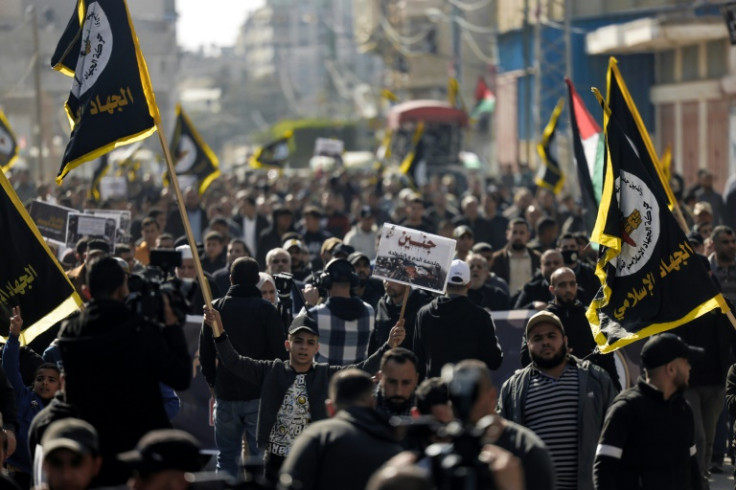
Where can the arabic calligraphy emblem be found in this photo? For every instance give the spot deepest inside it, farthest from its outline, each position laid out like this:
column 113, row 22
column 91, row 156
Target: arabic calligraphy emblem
column 97, row 45
column 639, row 226
column 186, row 154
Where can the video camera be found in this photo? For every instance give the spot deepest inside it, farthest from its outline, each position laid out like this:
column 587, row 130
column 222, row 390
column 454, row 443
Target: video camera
column 455, row 464
column 148, row 288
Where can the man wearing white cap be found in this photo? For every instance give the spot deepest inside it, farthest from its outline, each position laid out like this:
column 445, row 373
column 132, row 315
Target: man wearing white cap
column 452, row 328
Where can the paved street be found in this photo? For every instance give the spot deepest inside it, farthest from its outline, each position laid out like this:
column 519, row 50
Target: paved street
column 723, row 481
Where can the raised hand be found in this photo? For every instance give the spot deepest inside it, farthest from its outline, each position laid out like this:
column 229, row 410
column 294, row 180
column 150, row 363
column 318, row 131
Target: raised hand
column 16, row 321
column 397, row 334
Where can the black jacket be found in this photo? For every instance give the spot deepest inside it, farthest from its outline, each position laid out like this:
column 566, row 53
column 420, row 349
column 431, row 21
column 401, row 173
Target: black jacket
column 114, row 361
column 255, row 330
column 647, row 442
column 57, row 409
column 491, row 297
column 387, row 314
column 341, row 452
column 535, row 290
column 450, row 329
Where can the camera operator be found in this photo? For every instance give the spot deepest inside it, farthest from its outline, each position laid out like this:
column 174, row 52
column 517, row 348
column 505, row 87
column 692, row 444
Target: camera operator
column 345, row 322
column 114, row 360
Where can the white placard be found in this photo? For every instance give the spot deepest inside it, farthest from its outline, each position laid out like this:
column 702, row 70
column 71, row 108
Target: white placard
column 412, row 257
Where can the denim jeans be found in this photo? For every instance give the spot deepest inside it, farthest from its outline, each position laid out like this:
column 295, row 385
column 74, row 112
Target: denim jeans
column 232, row 419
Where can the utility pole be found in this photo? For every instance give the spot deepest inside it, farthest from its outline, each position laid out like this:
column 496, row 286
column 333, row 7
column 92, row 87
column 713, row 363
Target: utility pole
column 457, row 51
column 32, row 16
column 527, row 85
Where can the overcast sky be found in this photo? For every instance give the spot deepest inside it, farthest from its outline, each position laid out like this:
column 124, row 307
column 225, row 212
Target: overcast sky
column 203, row 23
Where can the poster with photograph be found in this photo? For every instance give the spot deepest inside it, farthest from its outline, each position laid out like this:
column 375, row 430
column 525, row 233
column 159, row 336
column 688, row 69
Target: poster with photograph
column 51, row 220
column 122, row 221
column 412, row 257
column 80, row 225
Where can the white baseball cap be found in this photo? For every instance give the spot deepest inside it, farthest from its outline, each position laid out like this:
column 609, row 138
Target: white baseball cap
column 459, row 273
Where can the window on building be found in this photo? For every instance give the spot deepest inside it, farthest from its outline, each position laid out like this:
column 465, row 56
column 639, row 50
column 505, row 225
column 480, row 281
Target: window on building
column 690, row 63
column 717, row 59
column 665, row 67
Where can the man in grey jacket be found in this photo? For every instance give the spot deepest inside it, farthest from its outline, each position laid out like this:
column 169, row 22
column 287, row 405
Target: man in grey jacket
column 561, row 398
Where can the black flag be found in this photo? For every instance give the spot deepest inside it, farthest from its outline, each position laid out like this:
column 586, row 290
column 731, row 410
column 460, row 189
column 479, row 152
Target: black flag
column 550, row 174
column 112, row 101
column 30, row 276
column 192, row 155
column 652, row 279
column 8, row 145
column 272, row 155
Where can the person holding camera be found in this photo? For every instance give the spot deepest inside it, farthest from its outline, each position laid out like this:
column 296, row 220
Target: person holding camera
column 345, row 323
column 260, row 337
column 114, row 360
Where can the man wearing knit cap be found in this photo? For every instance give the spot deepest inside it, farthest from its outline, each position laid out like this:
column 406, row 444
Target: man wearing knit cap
column 451, row 328
column 561, row 398
column 648, row 438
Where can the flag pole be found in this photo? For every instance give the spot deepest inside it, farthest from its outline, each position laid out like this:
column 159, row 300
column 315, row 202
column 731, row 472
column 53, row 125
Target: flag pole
column 203, row 284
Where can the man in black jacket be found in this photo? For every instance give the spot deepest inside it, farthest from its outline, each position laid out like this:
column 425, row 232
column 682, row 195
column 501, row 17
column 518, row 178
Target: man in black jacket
column 451, row 328
column 648, row 439
column 255, row 330
column 348, row 447
column 388, row 310
column 114, row 361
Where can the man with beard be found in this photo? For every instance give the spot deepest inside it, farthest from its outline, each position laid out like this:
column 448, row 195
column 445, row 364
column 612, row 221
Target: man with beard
column 589, row 283
column 397, row 380
column 516, row 263
column 648, row 438
column 369, row 290
column 388, row 310
column 300, row 267
column 561, row 398
column 723, row 260
column 535, row 295
column 481, row 292
column 564, row 288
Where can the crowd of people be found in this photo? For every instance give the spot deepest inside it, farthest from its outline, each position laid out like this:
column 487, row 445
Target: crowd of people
column 332, row 378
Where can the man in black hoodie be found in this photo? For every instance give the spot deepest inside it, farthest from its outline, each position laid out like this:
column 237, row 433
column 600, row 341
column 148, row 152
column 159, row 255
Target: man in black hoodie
column 389, row 309
column 114, row 361
column 348, row 447
column 255, row 330
column 451, row 328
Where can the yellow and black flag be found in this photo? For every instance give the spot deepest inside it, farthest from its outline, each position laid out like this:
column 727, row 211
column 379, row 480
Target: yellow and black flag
column 652, row 279
column 191, row 154
column 30, row 276
column 414, row 164
column 8, row 145
column 112, row 101
column 102, row 169
column 550, row 174
column 273, row 155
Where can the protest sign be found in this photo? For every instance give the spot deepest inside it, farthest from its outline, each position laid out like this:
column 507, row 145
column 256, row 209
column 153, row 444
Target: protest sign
column 80, row 225
column 409, row 256
column 113, row 187
column 122, row 221
column 51, row 220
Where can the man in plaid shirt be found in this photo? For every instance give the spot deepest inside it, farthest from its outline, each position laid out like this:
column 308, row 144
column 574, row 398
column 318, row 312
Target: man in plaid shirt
column 344, row 322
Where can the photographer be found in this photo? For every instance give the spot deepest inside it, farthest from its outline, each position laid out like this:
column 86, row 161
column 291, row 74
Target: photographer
column 114, row 360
